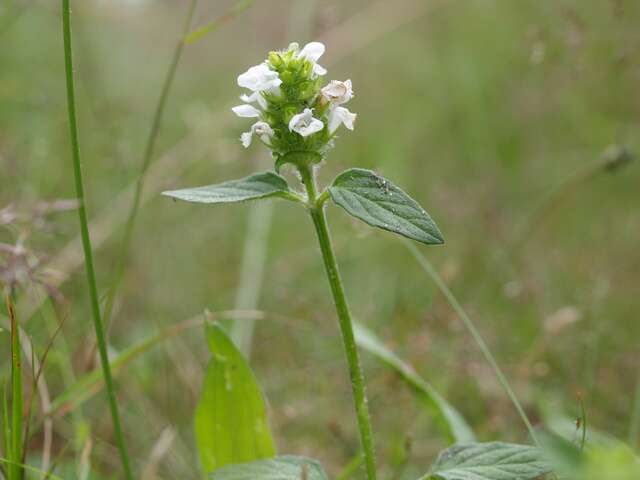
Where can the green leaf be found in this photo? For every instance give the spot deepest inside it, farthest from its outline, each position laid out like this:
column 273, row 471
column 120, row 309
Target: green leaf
column 449, row 419
column 230, row 419
column 253, row 187
column 489, row 461
column 286, row 467
column 378, row 202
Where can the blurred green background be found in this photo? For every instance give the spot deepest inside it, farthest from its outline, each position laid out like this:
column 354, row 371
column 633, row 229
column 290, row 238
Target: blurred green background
column 480, row 109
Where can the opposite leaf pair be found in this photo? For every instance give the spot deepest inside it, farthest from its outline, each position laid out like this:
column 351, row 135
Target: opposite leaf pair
column 362, row 193
column 478, row 461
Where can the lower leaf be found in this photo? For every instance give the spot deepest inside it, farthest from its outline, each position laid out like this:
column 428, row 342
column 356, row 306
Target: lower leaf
column 489, row 461
column 286, row 467
column 230, row 419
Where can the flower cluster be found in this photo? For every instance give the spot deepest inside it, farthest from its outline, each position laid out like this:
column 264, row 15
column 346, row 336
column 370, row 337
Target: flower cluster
column 294, row 112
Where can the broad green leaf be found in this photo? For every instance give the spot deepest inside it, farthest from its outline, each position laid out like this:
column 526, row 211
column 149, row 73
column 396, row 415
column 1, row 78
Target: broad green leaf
column 489, row 461
column 230, row 419
column 449, row 419
column 253, row 187
column 378, row 202
column 286, row 467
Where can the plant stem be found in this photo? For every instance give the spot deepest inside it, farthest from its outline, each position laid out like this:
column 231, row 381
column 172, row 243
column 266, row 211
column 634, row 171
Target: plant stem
column 146, row 161
column 475, row 334
column 15, row 469
column 346, row 324
column 86, row 241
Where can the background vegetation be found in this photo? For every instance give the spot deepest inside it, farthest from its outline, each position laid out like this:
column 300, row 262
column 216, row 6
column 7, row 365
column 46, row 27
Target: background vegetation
column 480, row 109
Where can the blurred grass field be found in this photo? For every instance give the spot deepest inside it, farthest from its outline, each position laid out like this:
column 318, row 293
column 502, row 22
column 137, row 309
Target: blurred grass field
column 478, row 108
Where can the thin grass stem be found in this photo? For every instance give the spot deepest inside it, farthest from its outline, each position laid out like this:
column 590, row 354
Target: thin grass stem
column 146, row 161
column 473, row 331
column 86, row 240
column 15, row 447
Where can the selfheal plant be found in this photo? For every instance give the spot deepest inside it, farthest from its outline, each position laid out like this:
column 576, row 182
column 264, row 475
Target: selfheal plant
column 297, row 118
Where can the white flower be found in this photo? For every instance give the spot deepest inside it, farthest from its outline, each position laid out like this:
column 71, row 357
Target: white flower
column 255, row 97
column 262, row 129
column 259, row 78
column 312, row 52
column 245, row 138
column 246, row 111
column 337, row 92
column 338, row 115
column 305, row 124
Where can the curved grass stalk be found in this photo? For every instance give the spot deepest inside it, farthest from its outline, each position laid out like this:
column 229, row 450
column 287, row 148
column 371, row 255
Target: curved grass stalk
column 90, row 384
column 473, row 331
column 452, row 423
column 86, row 241
column 44, row 473
column 146, row 161
column 13, row 426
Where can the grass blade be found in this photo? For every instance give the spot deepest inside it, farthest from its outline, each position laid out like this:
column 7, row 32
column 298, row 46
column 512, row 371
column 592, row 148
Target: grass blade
column 86, row 241
column 449, row 419
column 197, row 34
column 473, row 331
column 15, row 440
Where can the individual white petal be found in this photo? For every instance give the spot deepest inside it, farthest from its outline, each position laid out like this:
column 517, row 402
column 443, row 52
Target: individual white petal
column 341, row 115
column 312, row 51
column 319, row 70
column 305, row 124
column 245, row 138
column 256, row 97
column 259, row 78
column 250, row 98
column 246, row 111
column 337, row 92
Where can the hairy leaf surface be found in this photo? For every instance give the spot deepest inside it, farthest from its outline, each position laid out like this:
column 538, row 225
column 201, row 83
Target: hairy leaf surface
column 286, row 467
column 378, row 202
column 489, row 461
column 253, row 187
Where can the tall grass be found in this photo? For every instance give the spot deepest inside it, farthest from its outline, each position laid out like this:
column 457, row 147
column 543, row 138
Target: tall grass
column 86, row 241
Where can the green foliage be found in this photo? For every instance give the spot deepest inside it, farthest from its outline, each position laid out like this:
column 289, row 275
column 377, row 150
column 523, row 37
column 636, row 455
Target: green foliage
column 376, row 201
column 450, row 420
column 230, row 419
column 286, row 467
column 595, row 462
column 253, row 187
column 489, row 461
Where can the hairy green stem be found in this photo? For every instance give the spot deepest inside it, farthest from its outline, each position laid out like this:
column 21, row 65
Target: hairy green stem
column 346, row 324
column 86, row 240
column 475, row 334
column 146, row 161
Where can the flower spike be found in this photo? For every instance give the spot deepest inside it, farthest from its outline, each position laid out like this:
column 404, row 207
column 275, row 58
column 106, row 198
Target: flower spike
column 296, row 115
